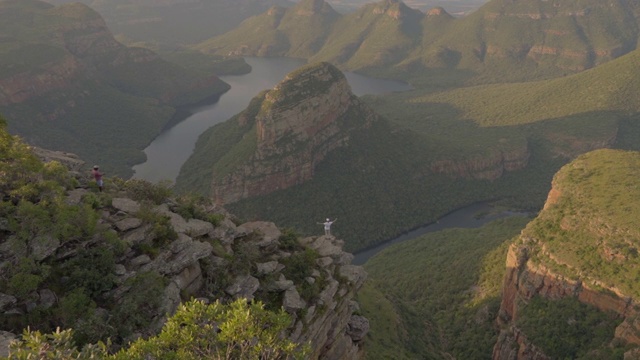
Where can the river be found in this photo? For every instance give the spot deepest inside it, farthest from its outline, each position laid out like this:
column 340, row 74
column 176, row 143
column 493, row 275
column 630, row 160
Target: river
column 168, row 151
column 472, row 216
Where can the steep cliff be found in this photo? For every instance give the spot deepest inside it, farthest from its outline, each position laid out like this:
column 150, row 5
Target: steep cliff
column 125, row 258
column 582, row 246
column 283, row 135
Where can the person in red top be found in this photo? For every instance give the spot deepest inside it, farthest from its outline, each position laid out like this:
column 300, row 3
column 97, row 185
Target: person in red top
column 98, row 176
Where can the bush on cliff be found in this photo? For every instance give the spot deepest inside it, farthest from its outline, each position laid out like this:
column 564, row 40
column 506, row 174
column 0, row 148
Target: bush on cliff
column 239, row 330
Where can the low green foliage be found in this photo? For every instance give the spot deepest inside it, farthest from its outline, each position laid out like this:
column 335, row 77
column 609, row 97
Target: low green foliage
column 442, row 291
column 142, row 190
column 139, row 304
column 239, row 330
column 569, row 329
column 192, row 206
column 235, row 331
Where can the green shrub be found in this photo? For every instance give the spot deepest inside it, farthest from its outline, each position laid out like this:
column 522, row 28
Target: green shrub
column 191, row 206
column 566, row 328
column 139, row 304
column 92, row 270
column 289, row 240
column 142, row 190
column 26, row 277
column 236, row 331
column 300, row 265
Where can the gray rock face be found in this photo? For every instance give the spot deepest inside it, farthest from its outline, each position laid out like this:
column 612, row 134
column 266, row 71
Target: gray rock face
column 47, row 298
column 354, row 274
column 43, row 246
column 182, row 253
column 292, row 300
column 75, row 196
column 5, row 339
column 7, row 302
column 127, row 205
column 358, row 327
column 269, row 232
column 268, row 267
column 243, row 287
column 128, row 224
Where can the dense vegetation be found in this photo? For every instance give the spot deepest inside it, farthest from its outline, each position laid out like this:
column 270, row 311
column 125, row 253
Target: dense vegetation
column 393, row 189
column 239, row 331
column 437, row 296
column 569, row 329
column 591, row 228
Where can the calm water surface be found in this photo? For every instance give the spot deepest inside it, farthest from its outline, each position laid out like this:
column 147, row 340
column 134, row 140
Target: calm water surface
column 167, row 153
column 467, row 217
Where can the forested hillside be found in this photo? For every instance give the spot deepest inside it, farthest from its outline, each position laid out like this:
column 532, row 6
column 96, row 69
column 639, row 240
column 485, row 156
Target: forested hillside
column 67, row 84
column 504, row 40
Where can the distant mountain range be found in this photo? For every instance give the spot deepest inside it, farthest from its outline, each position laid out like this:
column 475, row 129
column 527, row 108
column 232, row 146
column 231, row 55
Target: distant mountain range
column 66, row 83
column 503, row 40
column 174, row 22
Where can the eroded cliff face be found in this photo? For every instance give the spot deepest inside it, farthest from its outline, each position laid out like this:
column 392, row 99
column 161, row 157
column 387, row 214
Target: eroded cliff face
column 300, row 121
column 562, row 45
column 538, row 266
column 491, row 166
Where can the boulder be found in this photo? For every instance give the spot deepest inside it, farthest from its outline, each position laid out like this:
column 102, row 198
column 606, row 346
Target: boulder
column 197, row 228
column 43, row 246
column 125, row 204
column 7, row 302
column 190, row 279
column 243, row 286
column 138, row 235
column 74, row 197
column 269, row 267
column 128, row 224
column 292, row 300
column 5, row 340
column 354, row 274
column 268, row 230
column 358, row 327
column 47, row 298
column 139, row 261
column 182, row 253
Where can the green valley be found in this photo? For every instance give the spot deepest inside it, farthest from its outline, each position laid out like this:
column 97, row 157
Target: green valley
column 67, row 84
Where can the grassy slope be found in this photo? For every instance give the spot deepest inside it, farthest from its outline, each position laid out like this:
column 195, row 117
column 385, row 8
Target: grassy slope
column 593, row 228
column 609, row 87
column 437, row 294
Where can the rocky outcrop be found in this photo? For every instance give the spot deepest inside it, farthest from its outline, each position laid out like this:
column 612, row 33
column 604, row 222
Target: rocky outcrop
column 300, row 121
column 591, row 233
column 208, row 260
column 486, row 167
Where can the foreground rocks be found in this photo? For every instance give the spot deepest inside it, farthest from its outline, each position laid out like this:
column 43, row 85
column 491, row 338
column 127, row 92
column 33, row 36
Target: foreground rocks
column 218, row 261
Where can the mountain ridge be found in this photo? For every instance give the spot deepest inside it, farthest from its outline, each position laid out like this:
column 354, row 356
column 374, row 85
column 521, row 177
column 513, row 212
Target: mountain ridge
column 555, row 39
